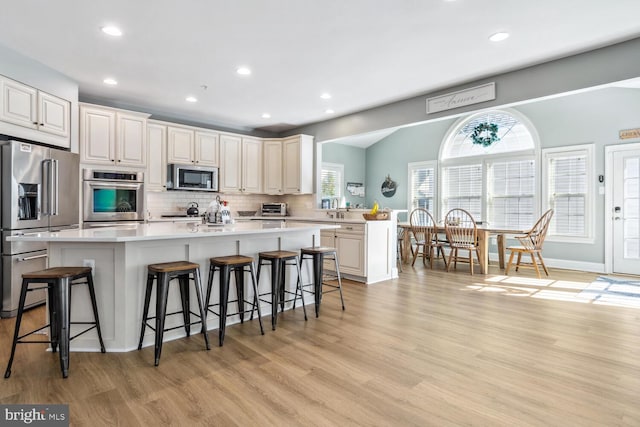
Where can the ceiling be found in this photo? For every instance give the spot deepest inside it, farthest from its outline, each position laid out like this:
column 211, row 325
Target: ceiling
column 364, row 53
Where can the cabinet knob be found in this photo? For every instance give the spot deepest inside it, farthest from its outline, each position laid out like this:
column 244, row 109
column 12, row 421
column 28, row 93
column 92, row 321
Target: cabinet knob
column 35, row 123
column 113, row 160
column 41, row 124
column 119, row 161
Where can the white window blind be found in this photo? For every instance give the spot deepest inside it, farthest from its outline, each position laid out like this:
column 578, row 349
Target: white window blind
column 422, row 182
column 569, row 191
column 462, row 188
column 511, row 194
column 331, row 177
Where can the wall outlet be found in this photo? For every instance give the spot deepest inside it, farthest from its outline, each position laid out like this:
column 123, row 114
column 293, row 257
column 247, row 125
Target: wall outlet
column 89, row 263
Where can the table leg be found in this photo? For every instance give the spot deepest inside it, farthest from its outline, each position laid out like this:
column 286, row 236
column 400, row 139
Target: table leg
column 500, row 240
column 406, row 246
column 483, row 249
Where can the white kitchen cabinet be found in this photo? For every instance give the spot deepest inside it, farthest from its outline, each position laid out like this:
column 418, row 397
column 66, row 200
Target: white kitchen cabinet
column 180, row 145
column 34, row 110
column 207, row 149
column 111, row 136
column 240, row 164
column 297, row 155
column 192, row 146
column 363, row 250
column 272, row 155
column 156, row 175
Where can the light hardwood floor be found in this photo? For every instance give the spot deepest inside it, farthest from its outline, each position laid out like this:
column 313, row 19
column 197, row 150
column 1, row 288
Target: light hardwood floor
column 428, row 349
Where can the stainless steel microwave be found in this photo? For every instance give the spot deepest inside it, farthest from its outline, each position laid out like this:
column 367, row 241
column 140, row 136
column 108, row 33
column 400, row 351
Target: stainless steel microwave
column 193, row 178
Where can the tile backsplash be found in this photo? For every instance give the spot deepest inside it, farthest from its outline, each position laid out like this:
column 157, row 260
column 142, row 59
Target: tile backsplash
column 168, row 202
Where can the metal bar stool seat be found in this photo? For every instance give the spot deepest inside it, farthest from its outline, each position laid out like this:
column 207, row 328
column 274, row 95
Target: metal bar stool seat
column 279, row 260
column 318, row 254
column 240, row 265
column 163, row 273
column 58, row 282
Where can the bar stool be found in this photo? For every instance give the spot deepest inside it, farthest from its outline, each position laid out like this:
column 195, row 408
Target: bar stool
column 239, row 264
column 163, row 273
column 279, row 261
column 318, row 254
column 58, row 281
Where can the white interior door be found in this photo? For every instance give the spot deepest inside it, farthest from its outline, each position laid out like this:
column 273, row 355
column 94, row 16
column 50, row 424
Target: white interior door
column 626, row 212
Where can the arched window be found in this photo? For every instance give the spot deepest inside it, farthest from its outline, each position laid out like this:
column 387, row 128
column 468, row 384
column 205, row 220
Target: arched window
column 495, row 182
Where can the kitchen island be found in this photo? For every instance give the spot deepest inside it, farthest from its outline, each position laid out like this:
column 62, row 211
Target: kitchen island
column 120, row 256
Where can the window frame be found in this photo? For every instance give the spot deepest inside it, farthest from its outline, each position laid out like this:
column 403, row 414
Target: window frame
column 339, row 168
column 590, row 200
column 429, row 164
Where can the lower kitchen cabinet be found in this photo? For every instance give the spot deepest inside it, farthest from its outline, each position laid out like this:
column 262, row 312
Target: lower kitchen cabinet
column 363, row 250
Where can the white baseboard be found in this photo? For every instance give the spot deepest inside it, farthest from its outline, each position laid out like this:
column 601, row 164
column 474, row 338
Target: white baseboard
column 564, row 264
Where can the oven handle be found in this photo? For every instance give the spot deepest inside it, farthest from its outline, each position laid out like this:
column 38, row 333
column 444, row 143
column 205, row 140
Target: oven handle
column 29, row 258
column 134, row 186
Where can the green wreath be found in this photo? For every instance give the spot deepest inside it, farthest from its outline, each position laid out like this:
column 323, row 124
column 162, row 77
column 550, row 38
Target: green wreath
column 485, row 134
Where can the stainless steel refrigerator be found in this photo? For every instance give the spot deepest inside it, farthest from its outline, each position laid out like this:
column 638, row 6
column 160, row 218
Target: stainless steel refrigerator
column 39, row 192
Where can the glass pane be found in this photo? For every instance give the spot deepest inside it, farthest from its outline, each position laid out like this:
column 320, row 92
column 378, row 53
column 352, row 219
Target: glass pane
column 632, row 248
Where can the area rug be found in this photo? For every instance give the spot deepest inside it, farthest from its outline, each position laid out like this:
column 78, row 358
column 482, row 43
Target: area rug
column 609, row 290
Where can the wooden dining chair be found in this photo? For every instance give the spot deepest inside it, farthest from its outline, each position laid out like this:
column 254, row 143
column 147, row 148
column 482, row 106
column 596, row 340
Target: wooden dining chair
column 531, row 243
column 425, row 235
column 462, row 233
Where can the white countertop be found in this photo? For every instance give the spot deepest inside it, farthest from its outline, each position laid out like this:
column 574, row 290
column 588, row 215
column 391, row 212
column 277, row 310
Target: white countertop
column 168, row 230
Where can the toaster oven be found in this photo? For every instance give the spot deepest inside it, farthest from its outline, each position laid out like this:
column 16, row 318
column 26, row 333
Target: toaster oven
column 273, row 209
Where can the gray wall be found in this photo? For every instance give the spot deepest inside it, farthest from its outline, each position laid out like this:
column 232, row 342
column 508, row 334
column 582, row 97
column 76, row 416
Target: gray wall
column 25, row 70
column 609, row 64
column 354, row 160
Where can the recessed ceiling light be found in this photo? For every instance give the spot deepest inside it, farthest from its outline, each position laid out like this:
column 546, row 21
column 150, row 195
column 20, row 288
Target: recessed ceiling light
column 329, row 111
column 266, row 115
column 498, row 37
column 243, row 71
column 110, row 81
column 325, row 96
column 191, row 99
column 112, row 30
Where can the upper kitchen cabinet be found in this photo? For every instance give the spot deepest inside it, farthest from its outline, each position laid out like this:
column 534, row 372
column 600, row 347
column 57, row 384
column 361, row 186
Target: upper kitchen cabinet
column 156, row 177
column 240, row 164
column 111, row 136
column 272, row 155
column 192, row 146
column 297, row 162
column 30, row 113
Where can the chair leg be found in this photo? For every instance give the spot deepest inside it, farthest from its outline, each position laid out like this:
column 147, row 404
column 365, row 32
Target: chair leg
column 162, row 294
column 471, row 261
column 415, row 255
column 449, row 264
column 444, row 258
column 335, row 259
column 239, row 279
column 183, row 281
column 535, row 265
column 254, row 281
column 92, row 293
column 203, row 308
column 543, row 264
column 299, row 287
column 506, row 270
column 64, row 290
column 145, row 310
column 519, row 259
column 16, row 333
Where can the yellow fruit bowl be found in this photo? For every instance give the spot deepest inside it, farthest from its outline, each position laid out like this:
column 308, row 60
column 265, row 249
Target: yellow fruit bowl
column 376, row 217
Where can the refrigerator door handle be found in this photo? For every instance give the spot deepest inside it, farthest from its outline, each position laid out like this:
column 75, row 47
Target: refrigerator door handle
column 29, row 258
column 53, row 195
column 46, row 187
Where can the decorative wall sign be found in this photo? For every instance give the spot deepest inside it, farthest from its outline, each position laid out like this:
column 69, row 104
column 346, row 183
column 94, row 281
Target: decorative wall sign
column 355, row 189
column 462, row 98
column 389, row 187
column 629, row 133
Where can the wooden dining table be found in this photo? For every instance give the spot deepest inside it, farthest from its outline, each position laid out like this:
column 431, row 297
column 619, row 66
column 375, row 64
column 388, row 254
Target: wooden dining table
column 484, row 234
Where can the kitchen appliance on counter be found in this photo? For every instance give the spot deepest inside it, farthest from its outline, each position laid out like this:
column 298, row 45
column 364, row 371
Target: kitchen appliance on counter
column 192, row 178
column 112, row 197
column 273, row 209
column 38, row 194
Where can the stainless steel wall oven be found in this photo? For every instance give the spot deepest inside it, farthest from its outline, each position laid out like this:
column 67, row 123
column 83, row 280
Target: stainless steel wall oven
column 112, row 196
